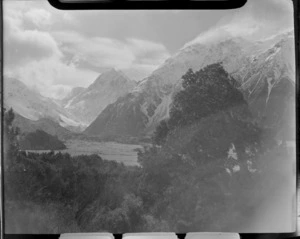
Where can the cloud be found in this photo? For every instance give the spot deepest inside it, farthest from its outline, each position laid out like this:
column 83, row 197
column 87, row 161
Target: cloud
column 25, row 45
column 262, row 17
column 258, row 19
column 59, row 91
column 138, row 72
column 148, row 52
column 51, row 77
column 104, row 52
column 33, row 55
column 39, row 17
column 21, row 44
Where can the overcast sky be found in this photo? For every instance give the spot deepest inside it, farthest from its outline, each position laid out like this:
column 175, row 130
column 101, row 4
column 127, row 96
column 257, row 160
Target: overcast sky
column 53, row 50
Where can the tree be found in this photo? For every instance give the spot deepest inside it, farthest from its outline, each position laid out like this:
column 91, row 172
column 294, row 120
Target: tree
column 11, row 145
column 161, row 132
column 205, row 92
column 209, row 133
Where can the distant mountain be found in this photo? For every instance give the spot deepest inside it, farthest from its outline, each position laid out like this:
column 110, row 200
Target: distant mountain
column 119, row 119
column 87, row 104
column 270, row 60
column 40, row 140
column 33, row 106
column 49, row 126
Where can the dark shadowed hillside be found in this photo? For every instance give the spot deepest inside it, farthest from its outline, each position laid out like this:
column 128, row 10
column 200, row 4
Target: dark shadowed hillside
column 117, row 120
column 40, row 140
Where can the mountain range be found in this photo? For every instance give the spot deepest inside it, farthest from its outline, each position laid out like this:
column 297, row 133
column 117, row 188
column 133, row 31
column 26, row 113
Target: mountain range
column 114, row 106
column 71, row 114
column 264, row 71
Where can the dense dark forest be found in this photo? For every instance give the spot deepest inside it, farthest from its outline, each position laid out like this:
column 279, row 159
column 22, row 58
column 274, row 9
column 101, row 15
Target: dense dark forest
column 40, row 140
column 208, row 167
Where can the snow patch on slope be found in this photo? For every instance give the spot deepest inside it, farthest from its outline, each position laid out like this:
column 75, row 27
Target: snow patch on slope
column 162, row 111
column 65, row 121
column 232, row 154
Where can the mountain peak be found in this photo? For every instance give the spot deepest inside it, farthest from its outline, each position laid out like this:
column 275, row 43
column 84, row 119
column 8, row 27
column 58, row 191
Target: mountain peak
column 110, row 75
column 106, row 89
column 113, row 72
column 111, row 69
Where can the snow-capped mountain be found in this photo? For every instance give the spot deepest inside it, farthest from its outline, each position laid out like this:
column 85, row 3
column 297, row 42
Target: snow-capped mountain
column 33, row 106
column 88, row 103
column 269, row 61
column 268, row 84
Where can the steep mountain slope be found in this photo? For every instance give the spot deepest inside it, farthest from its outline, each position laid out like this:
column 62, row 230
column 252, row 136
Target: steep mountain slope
column 74, row 92
column 120, row 119
column 268, row 85
column 106, row 89
column 45, row 124
column 31, row 105
column 140, row 111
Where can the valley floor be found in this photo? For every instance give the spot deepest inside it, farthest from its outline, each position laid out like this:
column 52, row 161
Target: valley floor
column 122, row 153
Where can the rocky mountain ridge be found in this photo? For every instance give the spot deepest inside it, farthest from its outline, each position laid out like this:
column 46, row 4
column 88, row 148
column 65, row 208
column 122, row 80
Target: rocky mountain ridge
column 106, row 89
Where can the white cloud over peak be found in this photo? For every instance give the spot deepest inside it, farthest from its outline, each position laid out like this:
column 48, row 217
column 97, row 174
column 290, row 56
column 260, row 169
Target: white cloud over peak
column 100, row 52
column 148, row 52
column 257, row 20
column 51, row 77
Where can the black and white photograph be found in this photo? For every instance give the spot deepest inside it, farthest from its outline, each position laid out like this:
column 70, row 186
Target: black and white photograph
column 128, row 121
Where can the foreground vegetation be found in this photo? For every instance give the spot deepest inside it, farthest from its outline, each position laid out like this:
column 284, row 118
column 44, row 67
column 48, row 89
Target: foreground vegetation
column 208, row 169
